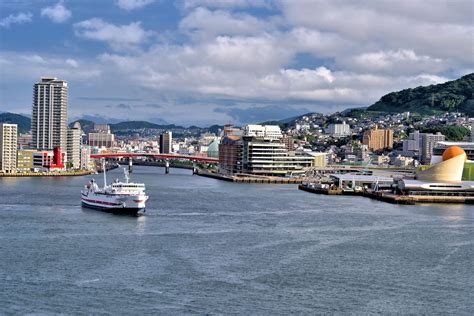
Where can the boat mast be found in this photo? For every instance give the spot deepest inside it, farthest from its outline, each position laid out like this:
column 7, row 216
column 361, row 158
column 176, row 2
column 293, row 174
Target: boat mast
column 104, row 169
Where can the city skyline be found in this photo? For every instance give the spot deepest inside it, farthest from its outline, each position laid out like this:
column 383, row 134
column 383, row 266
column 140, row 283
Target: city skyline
column 202, row 62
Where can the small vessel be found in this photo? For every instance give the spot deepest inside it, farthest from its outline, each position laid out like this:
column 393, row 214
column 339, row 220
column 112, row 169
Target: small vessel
column 119, row 197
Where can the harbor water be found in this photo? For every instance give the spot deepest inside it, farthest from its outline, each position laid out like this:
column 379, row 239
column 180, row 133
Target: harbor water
column 212, row 247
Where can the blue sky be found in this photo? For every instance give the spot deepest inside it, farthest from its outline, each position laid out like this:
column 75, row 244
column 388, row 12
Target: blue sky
column 217, row 61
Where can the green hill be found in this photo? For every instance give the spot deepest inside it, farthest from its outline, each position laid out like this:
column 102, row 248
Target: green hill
column 451, row 96
column 24, row 122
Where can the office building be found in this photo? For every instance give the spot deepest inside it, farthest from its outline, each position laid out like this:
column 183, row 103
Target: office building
column 8, row 147
column 25, row 160
column 74, row 136
column 339, row 130
column 378, row 139
column 230, row 155
column 412, row 145
column 101, row 140
column 261, row 151
column 268, row 132
column 428, row 143
column 166, row 143
column 49, row 117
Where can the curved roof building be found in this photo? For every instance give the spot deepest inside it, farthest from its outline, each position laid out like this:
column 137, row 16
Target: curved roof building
column 449, row 170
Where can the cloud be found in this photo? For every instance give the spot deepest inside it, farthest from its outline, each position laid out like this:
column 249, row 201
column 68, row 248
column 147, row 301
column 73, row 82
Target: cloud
column 57, row 13
column 219, row 22
column 71, row 62
column 188, row 4
column 118, row 99
column 20, row 18
column 119, row 37
column 438, row 30
column 33, row 66
column 133, row 4
column 403, row 62
column 222, row 58
column 120, row 106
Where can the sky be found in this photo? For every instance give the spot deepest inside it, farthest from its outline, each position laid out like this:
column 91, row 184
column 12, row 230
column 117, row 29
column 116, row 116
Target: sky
column 203, row 62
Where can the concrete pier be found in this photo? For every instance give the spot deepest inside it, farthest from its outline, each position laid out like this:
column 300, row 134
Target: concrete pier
column 394, row 198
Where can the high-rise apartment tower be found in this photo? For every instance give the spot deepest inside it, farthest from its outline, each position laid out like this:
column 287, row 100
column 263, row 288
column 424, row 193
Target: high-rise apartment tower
column 49, row 117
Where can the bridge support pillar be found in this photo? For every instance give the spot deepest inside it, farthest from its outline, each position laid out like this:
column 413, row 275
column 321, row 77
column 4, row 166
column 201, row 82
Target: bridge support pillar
column 130, row 164
column 194, row 167
column 167, row 166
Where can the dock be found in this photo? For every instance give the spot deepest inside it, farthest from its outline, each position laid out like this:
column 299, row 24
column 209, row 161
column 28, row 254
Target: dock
column 251, row 179
column 393, row 198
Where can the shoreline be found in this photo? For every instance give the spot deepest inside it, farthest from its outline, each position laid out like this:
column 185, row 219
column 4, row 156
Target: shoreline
column 47, row 174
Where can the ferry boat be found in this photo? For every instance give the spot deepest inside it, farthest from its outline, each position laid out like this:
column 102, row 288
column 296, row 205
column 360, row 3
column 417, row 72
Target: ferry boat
column 119, row 197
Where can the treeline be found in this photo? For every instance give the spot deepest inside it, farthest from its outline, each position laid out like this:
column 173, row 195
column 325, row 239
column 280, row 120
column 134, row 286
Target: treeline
column 451, row 96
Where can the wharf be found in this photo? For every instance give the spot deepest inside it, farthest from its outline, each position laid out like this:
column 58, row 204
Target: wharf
column 46, row 174
column 393, row 198
column 250, row 179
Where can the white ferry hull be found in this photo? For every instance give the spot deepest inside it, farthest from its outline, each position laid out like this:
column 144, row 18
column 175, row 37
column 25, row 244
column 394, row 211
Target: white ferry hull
column 126, row 204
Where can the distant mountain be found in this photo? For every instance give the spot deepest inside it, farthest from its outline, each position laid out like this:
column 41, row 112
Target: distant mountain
column 122, row 126
column 451, row 96
column 24, row 122
column 86, row 125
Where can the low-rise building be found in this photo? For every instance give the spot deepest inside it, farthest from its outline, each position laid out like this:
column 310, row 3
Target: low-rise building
column 49, row 160
column 25, row 160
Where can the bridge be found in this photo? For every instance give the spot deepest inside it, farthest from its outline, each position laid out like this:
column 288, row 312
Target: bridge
column 156, row 156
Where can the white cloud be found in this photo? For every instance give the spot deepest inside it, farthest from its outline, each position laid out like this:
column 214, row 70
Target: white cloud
column 189, row 4
column 119, row 37
column 405, row 62
column 72, row 62
column 133, row 4
column 58, row 13
column 20, row 18
column 219, row 22
column 324, row 54
column 380, row 25
column 33, row 66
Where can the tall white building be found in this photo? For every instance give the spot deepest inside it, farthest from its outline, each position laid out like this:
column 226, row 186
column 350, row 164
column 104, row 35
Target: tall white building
column 49, row 117
column 338, row 130
column 74, row 147
column 8, row 147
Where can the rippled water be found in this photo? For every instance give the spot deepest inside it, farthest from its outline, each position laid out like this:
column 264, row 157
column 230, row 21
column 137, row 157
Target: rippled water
column 212, row 247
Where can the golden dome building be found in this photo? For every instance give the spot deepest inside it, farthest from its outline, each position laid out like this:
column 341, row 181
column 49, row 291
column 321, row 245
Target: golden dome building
column 449, row 170
column 443, row 178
